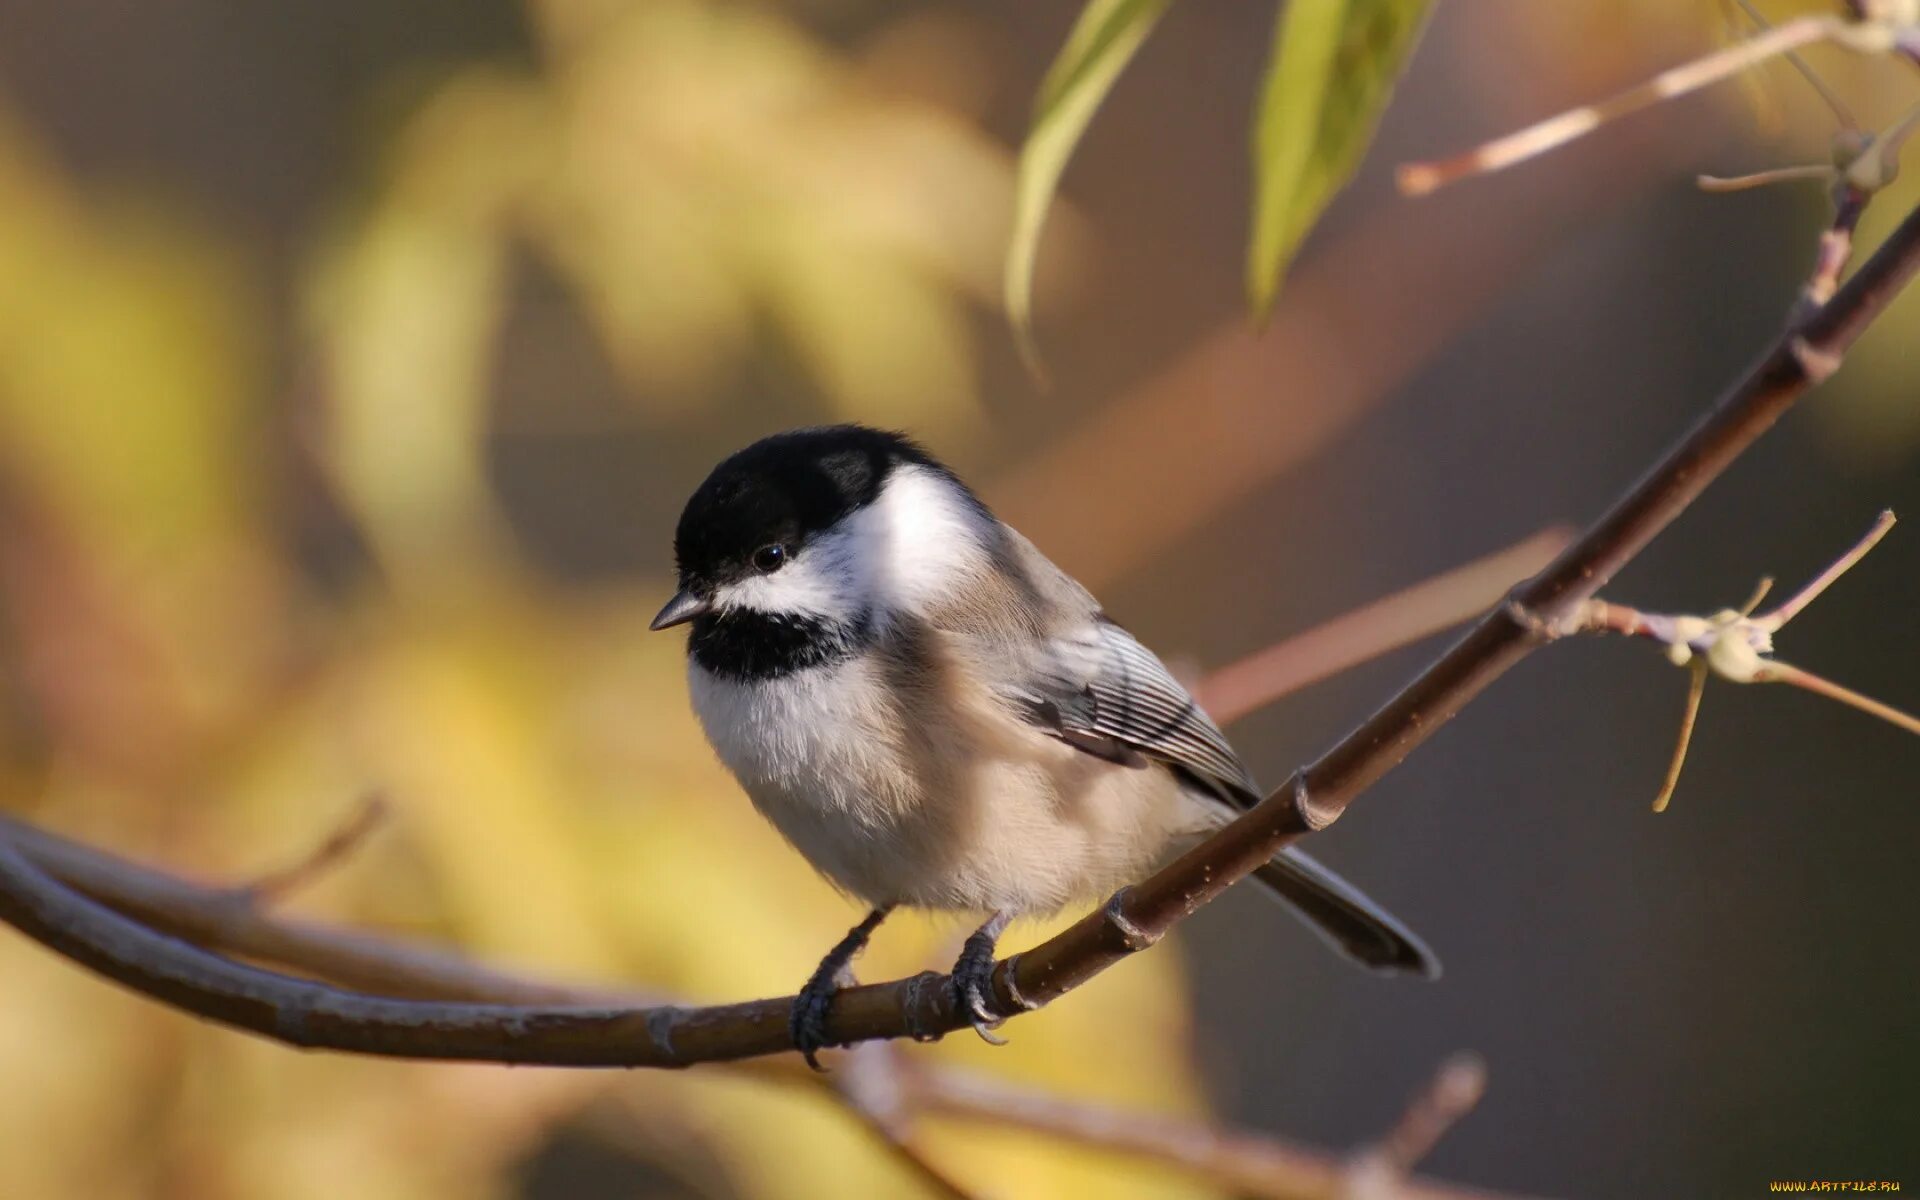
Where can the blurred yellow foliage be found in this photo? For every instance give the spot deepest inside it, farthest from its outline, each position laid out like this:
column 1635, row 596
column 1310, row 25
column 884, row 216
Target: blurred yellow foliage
column 700, row 178
column 695, row 174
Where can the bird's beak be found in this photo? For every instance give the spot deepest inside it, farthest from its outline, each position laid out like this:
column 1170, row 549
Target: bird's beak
column 684, row 607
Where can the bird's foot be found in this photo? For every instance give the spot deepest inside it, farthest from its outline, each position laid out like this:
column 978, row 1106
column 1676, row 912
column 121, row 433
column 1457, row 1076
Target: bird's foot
column 973, row 980
column 807, row 1020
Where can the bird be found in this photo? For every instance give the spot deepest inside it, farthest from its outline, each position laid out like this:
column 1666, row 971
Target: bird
column 937, row 717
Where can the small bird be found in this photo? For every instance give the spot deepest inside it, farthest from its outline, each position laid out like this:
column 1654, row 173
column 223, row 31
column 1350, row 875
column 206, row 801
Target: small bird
column 937, row 717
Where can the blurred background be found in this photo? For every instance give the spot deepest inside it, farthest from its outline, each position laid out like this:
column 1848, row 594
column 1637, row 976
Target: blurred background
column 356, row 358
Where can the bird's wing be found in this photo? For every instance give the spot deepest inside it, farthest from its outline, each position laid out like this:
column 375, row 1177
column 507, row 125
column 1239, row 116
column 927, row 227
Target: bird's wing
column 1105, row 693
column 1099, row 689
column 1074, row 674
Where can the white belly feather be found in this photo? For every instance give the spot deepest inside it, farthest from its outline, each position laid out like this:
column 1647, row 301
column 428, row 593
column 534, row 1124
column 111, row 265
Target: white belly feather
column 980, row 813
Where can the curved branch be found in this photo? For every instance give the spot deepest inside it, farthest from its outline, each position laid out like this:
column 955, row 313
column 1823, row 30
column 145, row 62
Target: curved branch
column 308, row 1014
column 883, row 1089
column 230, row 920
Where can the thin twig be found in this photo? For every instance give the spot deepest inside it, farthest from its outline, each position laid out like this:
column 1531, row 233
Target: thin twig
column 1831, row 98
column 1689, row 717
column 1231, row 692
column 1736, row 645
column 1452, row 1093
column 1417, row 179
column 1836, row 247
column 1759, row 179
column 1344, row 338
column 1775, row 671
column 272, row 887
column 1791, row 607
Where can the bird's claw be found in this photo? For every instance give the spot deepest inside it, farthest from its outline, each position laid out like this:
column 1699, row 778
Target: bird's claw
column 807, row 1020
column 972, row 986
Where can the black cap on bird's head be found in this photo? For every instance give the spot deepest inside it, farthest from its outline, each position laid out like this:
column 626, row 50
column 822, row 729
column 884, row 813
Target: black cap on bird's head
column 763, row 504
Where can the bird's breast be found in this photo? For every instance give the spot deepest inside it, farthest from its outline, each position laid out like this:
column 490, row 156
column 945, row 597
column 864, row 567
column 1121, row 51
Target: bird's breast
column 927, row 796
column 818, row 752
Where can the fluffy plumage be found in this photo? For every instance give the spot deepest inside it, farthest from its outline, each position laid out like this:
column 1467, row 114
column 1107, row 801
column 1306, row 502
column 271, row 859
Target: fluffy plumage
column 934, row 714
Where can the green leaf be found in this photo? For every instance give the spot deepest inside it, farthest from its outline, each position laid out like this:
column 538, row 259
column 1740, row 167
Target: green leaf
column 1097, row 50
column 1333, row 67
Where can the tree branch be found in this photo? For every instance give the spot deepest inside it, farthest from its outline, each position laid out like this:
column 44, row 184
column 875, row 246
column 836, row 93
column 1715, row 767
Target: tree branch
column 304, row 1013
column 881, row 1088
column 229, row 920
column 1805, row 354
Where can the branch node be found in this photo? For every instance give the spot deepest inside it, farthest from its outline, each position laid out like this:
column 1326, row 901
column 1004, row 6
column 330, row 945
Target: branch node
column 1737, row 645
column 1816, row 363
column 1009, row 978
column 1521, row 613
column 1132, row 936
column 660, row 1023
column 914, row 1007
column 1313, row 817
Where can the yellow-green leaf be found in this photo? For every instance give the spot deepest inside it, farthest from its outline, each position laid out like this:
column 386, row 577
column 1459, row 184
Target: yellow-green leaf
column 1103, row 40
column 1333, row 67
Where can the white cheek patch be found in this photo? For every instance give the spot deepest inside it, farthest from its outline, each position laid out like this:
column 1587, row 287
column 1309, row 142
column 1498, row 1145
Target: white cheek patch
column 921, row 541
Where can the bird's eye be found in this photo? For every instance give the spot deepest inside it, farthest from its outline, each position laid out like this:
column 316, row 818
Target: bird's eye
column 768, row 559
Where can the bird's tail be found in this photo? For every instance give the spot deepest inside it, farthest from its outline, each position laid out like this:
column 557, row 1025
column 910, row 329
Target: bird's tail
column 1344, row 915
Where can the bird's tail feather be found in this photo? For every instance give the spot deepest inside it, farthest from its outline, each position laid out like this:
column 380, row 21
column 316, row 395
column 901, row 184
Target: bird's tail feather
column 1346, row 917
